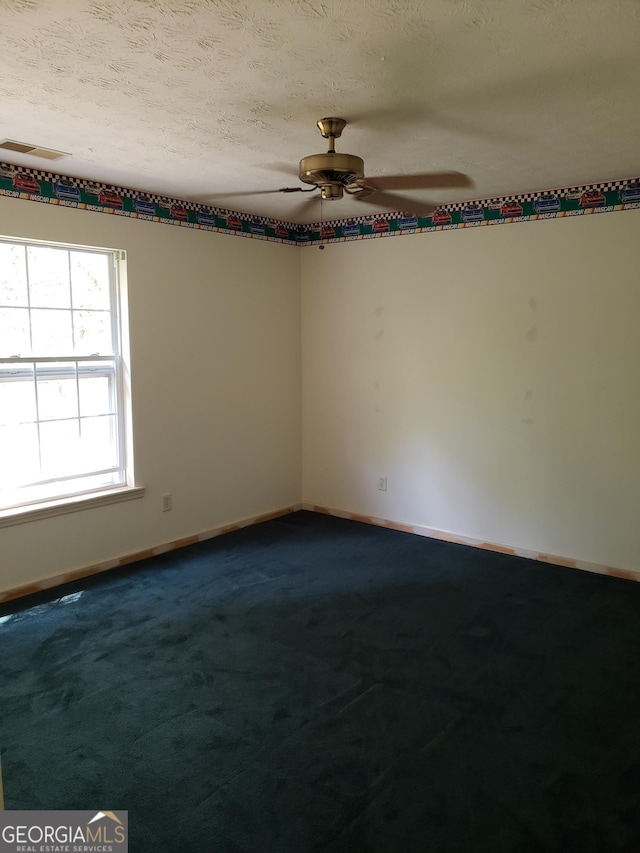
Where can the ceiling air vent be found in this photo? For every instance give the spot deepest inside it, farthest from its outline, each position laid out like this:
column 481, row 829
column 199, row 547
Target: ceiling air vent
column 33, row 150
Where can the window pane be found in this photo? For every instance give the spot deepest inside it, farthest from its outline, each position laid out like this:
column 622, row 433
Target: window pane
column 92, row 332
column 17, row 399
column 90, row 280
column 99, row 442
column 95, row 395
column 59, row 418
column 49, row 277
column 51, row 332
column 59, row 448
column 14, row 332
column 19, row 460
column 57, row 396
column 13, row 275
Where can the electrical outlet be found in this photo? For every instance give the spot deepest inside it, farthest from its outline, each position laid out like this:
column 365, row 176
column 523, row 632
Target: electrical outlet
column 382, row 484
column 166, row 503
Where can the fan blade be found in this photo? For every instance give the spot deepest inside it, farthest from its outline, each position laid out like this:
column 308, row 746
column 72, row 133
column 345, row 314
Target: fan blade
column 392, row 202
column 212, row 196
column 427, row 181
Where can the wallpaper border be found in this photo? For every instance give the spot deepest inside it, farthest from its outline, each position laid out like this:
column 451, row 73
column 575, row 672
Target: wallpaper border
column 65, row 191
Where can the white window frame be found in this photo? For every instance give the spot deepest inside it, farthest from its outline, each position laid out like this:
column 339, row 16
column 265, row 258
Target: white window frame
column 48, row 496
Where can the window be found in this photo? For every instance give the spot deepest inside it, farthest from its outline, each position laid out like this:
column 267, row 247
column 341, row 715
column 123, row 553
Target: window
column 63, row 408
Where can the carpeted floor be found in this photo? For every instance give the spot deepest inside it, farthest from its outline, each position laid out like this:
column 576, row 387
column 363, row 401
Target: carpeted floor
column 314, row 684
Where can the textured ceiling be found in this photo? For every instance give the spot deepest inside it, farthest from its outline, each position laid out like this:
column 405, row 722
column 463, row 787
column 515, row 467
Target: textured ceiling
column 200, row 99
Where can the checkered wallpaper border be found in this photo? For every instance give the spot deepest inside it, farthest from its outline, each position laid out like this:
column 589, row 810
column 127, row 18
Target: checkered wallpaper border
column 65, row 190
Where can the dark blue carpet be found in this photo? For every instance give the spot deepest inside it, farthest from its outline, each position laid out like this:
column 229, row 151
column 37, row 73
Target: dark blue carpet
column 314, row 684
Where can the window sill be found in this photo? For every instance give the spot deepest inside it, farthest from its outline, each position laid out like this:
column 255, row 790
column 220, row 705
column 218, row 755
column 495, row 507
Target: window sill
column 62, row 506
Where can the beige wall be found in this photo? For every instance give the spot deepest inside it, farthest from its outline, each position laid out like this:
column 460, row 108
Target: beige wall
column 491, row 373
column 215, row 346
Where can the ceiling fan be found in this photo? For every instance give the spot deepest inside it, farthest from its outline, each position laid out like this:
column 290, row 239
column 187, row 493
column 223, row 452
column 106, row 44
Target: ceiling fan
column 335, row 174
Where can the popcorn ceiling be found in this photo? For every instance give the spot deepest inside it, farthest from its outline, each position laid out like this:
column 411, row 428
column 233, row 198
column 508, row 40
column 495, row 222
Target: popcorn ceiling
column 197, row 99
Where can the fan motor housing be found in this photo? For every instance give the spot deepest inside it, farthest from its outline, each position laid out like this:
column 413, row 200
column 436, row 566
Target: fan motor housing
column 331, row 169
